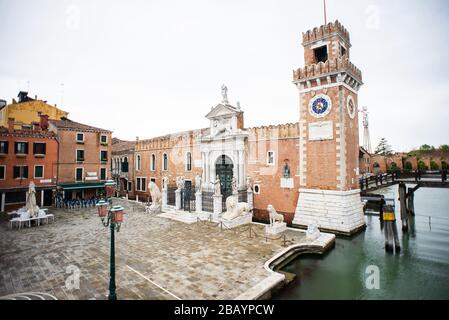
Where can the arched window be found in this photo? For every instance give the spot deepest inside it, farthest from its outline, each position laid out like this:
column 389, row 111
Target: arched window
column 164, row 162
column 153, row 162
column 189, row 161
column 125, row 167
column 138, row 162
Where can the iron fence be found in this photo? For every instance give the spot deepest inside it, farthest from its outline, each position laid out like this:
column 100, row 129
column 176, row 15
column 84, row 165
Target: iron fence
column 208, row 199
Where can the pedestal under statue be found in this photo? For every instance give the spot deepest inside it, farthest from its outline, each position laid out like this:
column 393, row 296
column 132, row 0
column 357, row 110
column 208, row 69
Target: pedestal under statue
column 237, row 213
column 277, row 224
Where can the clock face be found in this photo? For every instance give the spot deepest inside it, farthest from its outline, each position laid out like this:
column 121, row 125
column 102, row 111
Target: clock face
column 320, row 106
column 351, row 107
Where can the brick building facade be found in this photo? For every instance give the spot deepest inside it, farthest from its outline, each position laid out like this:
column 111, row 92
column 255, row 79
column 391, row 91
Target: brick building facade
column 27, row 155
column 84, row 158
column 317, row 155
column 122, row 167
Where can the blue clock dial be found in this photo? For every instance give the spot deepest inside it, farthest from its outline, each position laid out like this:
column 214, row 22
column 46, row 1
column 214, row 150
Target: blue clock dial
column 320, row 106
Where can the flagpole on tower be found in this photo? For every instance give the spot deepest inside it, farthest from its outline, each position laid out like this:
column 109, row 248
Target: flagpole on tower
column 325, row 15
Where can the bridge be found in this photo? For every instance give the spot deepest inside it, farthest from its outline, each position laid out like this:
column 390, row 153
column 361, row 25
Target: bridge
column 429, row 179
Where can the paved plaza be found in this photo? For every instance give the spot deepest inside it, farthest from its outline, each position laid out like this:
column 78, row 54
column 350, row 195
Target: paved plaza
column 156, row 258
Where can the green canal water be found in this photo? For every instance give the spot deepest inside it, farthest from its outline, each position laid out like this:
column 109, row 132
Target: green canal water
column 420, row 271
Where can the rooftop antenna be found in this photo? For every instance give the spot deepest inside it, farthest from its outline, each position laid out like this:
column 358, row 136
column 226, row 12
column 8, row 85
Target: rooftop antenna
column 325, row 14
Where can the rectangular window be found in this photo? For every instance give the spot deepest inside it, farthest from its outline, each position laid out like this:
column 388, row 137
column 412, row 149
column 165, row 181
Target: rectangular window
column 2, row 172
column 141, row 184
column 103, row 156
column 270, row 158
column 79, row 174
column 4, row 147
column 80, row 137
column 20, row 172
column 39, row 148
column 320, row 54
column 38, row 172
column 104, row 139
column 79, row 155
column 342, row 50
column 102, row 173
column 164, row 162
column 21, row 148
column 189, row 161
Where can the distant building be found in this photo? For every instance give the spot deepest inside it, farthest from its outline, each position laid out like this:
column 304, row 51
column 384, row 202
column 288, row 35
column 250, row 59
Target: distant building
column 26, row 110
column 84, row 158
column 122, row 166
column 27, row 155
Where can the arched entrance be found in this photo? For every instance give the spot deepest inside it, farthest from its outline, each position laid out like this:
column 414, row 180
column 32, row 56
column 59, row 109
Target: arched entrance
column 224, row 168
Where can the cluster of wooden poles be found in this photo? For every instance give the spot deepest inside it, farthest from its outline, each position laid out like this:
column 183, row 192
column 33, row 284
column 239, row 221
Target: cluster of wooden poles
column 388, row 217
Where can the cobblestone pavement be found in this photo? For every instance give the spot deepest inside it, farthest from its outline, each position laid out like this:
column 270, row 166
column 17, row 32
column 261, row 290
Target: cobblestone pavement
column 195, row 261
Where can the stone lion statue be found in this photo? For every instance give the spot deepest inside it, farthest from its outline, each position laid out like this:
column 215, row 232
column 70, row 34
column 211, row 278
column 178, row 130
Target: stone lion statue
column 274, row 216
column 156, row 197
column 235, row 209
column 312, row 232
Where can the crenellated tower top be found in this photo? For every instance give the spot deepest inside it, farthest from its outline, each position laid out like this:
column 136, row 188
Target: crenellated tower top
column 327, row 57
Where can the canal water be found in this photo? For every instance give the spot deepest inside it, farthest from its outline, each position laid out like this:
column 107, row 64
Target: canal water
column 420, row 271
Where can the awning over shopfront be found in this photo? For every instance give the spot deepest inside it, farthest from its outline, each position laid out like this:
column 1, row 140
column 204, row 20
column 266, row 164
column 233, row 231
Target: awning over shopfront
column 77, row 186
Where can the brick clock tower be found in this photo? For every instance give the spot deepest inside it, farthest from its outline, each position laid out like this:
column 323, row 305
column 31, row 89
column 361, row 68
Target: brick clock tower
column 329, row 194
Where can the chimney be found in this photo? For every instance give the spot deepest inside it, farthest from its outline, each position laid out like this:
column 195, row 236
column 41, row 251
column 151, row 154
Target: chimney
column 137, row 138
column 44, row 122
column 11, row 125
column 36, row 126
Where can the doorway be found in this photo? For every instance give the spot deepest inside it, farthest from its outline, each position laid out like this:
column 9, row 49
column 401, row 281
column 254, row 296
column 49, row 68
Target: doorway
column 224, row 168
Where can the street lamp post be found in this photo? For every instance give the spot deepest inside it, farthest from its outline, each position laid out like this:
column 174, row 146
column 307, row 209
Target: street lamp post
column 112, row 217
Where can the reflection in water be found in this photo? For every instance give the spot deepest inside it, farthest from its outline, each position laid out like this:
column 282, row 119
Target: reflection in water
column 420, row 271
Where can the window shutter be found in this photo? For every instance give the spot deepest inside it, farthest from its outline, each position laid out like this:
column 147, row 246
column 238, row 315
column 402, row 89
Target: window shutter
column 26, row 147
column 25, row 171
column 16, row 172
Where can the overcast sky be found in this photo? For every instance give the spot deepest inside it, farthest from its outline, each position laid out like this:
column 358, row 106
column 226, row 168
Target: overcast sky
column 148, row 68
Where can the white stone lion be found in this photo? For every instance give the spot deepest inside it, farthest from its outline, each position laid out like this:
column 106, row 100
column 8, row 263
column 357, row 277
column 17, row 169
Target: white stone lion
column 235, row 209
column 274, row 216
column 156, row 197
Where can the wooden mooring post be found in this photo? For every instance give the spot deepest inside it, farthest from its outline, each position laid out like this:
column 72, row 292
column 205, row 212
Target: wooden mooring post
column 390, row 230
column 403, row 205
column 411, row 201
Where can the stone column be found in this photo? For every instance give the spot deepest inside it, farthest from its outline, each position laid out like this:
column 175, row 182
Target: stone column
column 218, row 209
column 241, row 181
column 42, row 198
column 137, row 198
column 3, row 202
column 198, row 202
column 207, row 167
column 203, row 165
column 164, row 197
column 178, row 199
column 250, row 198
